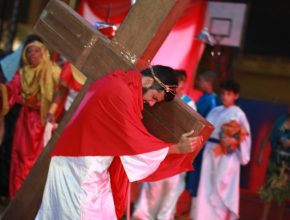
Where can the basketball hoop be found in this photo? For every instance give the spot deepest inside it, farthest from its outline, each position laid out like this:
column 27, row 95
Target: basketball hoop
column 220, row 28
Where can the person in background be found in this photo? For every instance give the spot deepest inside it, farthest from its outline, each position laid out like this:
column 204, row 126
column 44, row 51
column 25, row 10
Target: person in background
column 157, row 200
column 206, row 82
column 70, row 83
column 182, row 78
column 9, row 64
column 5, row 154
column 32, row 87
column 228, row 147
column 277, row 186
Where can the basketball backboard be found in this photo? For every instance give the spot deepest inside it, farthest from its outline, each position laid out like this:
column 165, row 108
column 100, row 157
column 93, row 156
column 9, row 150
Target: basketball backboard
column 225, row 22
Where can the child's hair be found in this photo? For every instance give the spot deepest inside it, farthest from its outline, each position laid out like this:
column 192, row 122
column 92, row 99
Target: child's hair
column 230, row 85
column 208, row 76
column 181, row 75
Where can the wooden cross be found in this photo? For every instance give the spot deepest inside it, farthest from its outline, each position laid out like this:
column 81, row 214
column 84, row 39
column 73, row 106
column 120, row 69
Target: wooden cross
column 137, row 40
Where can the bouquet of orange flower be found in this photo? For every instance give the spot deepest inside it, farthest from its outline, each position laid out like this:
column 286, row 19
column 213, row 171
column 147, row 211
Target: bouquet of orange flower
column 232, row 133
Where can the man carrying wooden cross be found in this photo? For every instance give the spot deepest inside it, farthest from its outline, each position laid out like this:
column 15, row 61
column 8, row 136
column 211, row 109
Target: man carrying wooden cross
column 106, row 143
column 95, row 56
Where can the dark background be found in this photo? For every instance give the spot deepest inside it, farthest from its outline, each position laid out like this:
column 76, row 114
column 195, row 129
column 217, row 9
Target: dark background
column 267, row 29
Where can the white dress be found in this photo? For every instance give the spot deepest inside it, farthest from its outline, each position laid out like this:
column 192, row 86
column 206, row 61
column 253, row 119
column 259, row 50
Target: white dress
column 218, row 192
column 78, row 188
column 157, row 200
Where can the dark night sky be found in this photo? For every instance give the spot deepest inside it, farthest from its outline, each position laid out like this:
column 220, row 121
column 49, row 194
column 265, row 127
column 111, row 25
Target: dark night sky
column 268, row 28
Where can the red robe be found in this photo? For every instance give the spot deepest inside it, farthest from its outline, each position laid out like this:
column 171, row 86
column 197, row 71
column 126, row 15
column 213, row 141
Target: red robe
column 108, row 123
column 27, row 138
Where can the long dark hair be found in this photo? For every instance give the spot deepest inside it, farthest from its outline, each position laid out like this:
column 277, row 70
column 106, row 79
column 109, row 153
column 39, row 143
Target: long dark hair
column 167, row 77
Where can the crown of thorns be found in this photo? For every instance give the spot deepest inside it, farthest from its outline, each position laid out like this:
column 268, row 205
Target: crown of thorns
column 167, row 88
